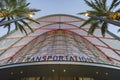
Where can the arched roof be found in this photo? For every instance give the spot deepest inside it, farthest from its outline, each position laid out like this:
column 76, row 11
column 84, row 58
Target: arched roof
column 16, row 46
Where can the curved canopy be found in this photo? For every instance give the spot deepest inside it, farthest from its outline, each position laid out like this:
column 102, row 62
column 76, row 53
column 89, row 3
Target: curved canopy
column 59, row 34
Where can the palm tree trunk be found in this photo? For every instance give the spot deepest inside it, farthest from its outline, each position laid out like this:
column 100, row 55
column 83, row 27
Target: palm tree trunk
column 106, row 20
column 11, row 21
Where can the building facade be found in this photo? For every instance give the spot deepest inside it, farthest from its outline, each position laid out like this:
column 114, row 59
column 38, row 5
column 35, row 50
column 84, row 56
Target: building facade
column 59, row 49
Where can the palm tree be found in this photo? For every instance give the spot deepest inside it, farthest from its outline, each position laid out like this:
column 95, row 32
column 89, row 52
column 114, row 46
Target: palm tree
column 15, row 9
column 102, row 10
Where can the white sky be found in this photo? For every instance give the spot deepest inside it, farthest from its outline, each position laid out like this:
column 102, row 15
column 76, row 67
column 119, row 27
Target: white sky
column 48, row 7
column 71, row 7
column 58, row 6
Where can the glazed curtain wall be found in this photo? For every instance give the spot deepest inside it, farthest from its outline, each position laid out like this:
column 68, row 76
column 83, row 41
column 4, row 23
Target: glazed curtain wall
column 59, row 33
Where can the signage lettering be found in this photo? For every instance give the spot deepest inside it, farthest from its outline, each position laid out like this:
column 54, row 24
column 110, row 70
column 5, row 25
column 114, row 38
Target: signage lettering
column 59, row 58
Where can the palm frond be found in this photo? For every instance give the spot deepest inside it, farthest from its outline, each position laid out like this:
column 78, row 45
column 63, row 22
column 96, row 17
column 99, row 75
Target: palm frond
column 34, row 10
column 94, row 6
column 96, row 13
column 22, row 29
column 24, row 6
column 32, row 20
column 82, row 13
column 104, row 4
column 3, row 19
column 104, row 29
column 98, row 3
column 117, row 10
column 113, row 4
column 100, row 8
column 21, row 2
column 17, row 9
column 2, row 5
column 117, row 4
column 92, row 28
column 7, row 26
column 118, row 30
column 16, row 25
column 9, row 5
column 14, row 4
column 26, row 24
column 86, row 22
column 91, row 4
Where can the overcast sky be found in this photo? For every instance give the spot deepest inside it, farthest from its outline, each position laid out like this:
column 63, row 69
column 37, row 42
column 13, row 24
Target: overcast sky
column 48, row 7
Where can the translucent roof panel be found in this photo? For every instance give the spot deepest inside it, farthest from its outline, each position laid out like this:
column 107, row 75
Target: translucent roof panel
column 59, row 35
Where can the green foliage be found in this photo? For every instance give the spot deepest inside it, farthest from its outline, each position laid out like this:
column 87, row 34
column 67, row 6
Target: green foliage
column 15, row 9
column 101, row 9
